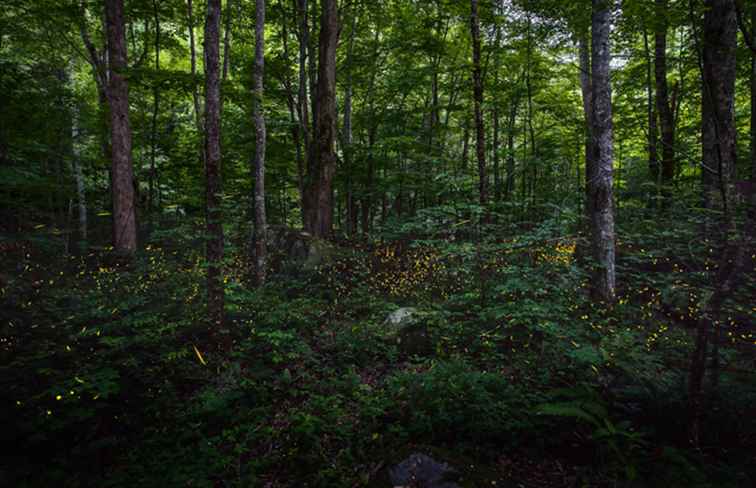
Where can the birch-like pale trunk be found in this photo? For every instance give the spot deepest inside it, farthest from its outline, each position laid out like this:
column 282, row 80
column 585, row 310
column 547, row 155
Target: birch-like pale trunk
column 600, row 182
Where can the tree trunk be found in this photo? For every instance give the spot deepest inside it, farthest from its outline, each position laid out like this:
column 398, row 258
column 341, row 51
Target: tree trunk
column 193, row 60
column 325, row 127
column 292, row 105
column 600, row 184
column 753, row 104
column 480, row 132
column 81, row 194
column 718, row 137
column 719, row 156
column 155, row 109
column 227, row 42
column 348, row 131
column 510, row 187
column 214, row 250
column 653, row 131
column 260, row 220
column 663, row 106
column 124, row 211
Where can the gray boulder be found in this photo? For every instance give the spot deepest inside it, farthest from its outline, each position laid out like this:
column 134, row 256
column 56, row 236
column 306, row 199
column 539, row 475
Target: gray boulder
column 299, row 249
column 422, row 471
column 408, row 327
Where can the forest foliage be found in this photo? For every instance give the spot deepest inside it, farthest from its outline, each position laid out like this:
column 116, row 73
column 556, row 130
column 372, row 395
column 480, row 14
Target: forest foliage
column 210, row 210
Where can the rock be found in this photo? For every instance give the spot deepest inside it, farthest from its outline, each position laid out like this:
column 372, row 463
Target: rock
column 319, row 253
column 422, row 471
column 401, row 316
column 408, row 327
column 299, row 249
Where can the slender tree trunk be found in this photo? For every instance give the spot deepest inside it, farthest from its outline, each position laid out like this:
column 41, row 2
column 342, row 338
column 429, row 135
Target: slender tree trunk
column 259, row 170
column 653, row 131
column 124, row 211
column 155, row 110
column 195, row 89
column 753, row 103
column 367, row 199
column 600, row 185
column 303, row 104
column 215, row 288
column 325, row 127
column 663, row 106
column 465, row 146
column 480, row 131
column 495, row 154
column 348, row 130
column 292, row 105
column 81, row 194
column 227, row 42
column 510, row 187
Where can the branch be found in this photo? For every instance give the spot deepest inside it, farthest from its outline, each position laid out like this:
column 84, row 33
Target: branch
column 743, row 28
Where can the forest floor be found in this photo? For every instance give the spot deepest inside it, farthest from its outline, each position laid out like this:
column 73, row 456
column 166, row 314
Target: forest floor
column 509, row 371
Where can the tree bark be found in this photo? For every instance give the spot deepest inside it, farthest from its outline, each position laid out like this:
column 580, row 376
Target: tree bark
column 303, row 114
column 350, row 220
column 260, row 220
column 480, row 131
column 600, row 184
column 124, row 211
column 653, row 130
column 586, row 89
column 510, row 186
column 719, row 156
column 663, row 106
column 718, row 119
column 325, row 127
column 155, row 110
column 81, row 194
column 193, row 60
column 753, row 102
column 214, row 250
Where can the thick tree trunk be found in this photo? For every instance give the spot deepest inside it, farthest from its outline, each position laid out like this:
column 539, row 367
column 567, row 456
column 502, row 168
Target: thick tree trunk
column 663, row 106
column 214, row 250
column 718, row 138
column 480, row 131
column 600, row 184
column 719, row 156
column 124, row 211
column 325, row 127
column 259, row 170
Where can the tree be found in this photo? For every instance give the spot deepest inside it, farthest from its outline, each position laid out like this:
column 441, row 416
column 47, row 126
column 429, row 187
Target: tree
column 324, row 167
column 719, row 156
column 214, row 250
column 480, row 131
column 124, row 211
column 664, row 106
column 600, row 182
column 259, row 169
